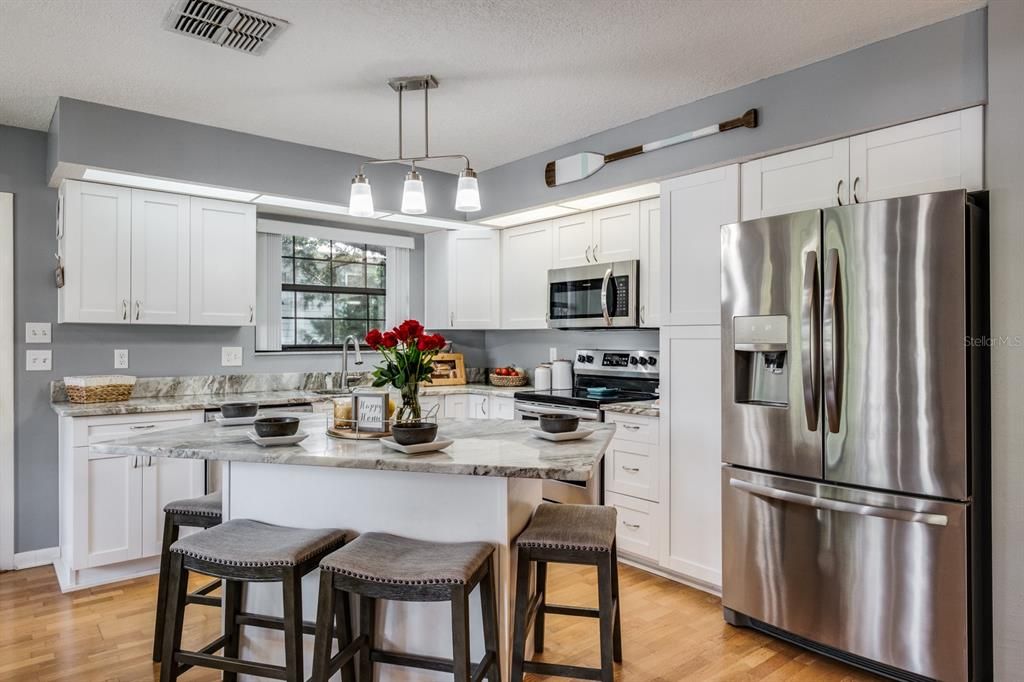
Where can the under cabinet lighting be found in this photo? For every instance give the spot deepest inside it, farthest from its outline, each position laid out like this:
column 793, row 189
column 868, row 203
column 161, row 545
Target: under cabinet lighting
column 302, row 204
column 615, row 197
column 161, row 185
column 531, row 216
column 439, row 223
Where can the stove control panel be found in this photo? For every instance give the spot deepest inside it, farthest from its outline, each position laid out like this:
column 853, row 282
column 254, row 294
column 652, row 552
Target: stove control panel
column 644, row 362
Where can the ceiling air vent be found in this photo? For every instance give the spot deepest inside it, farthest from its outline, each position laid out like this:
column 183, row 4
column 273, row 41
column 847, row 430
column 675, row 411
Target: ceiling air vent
column 224, row 24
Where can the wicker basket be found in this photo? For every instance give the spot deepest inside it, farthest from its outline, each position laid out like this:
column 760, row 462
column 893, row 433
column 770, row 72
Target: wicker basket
column 508, row 382
column 99, row 389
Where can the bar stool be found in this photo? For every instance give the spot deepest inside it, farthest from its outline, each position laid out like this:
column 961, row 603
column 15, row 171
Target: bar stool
column 197, row 512
column 381, row 566
column 570, row 534
column 241, row 551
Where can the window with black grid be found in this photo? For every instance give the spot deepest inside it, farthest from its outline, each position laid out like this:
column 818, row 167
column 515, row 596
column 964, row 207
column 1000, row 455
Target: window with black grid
column 329, row 289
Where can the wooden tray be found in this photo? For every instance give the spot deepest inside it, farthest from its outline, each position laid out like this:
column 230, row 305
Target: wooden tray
column 352, row 434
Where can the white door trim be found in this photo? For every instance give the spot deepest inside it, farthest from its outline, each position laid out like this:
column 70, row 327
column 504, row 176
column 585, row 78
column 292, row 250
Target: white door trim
column 6, row 381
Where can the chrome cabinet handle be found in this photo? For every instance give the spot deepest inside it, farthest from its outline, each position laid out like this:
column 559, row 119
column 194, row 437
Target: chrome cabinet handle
column 124, row 308
column 604, row 296
column 631, row 427
column 641, row 314
column 142, row 427
column 839, row 505
column 451, row 319
column 135, row 462
column 856, row 199
column 839, row 199
column 832, row 330
column 252, row 314
column 587, row 253
column 593, row 252
column 138, row 308
column 809, row 340
column 149, row 461
column 634, row 526
column 630, row 469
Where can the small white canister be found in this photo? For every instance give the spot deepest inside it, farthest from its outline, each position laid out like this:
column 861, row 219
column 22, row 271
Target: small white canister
column 542, row 377
column 561, row 375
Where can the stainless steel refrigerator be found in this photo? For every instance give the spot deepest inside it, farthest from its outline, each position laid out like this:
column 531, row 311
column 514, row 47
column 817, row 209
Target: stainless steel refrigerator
column 855, row 433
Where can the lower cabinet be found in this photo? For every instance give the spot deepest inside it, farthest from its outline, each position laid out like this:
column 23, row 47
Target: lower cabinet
column 476, row 406
column 631, row 473
column 111, row 516
column 456, row 406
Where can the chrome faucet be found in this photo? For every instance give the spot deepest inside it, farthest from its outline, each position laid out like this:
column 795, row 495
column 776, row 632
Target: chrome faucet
column 344, row 359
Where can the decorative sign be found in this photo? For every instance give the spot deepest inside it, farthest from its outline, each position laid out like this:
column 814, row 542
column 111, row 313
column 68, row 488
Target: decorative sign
column 369, row 410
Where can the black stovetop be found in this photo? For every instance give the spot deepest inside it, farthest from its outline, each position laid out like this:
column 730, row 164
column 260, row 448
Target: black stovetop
column 578, row 397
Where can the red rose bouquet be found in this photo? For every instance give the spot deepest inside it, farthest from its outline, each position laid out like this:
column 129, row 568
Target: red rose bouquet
column 408, row 353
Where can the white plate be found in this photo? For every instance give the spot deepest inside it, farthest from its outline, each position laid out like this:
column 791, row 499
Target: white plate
column 578, row 434
column 432, row 446
column 236, row 421
column 277, row 440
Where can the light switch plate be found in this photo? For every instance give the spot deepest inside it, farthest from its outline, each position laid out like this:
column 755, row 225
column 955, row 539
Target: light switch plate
column 120, row 358
column 37, row 332
column 38, row 360
column 231, row 356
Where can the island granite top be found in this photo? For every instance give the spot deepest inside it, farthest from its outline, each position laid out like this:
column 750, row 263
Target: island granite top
column 482, row 447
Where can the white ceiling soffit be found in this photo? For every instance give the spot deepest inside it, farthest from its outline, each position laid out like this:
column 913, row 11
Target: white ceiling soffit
column 517, row 77
column 587, row 203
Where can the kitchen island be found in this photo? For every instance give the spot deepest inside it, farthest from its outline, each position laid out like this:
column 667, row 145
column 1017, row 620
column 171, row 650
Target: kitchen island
column 483, row 487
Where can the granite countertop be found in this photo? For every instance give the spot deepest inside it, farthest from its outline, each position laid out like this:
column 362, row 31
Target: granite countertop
column 203, row 401
column 482, row 448
column 640, row 408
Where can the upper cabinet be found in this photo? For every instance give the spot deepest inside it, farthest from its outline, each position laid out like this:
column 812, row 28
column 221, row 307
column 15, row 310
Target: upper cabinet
column 650, row 262
column 139, row 257
column 223, row 263
column 617, row 233
column 526, row 257
column 931, row 155
column 462, row 279
column 573, row 239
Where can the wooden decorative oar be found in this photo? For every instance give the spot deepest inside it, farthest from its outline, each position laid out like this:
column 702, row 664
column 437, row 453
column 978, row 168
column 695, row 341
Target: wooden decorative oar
column 585, row 164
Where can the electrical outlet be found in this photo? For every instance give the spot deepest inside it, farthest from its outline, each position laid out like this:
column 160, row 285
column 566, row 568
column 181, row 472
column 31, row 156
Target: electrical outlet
column 37, row 332
column 120, row 358
column 231, row 356
column 38, row 360
column 552, row 354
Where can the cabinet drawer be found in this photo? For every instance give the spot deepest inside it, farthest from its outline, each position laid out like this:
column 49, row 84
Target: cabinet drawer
column 631, row 468
column 637, row 525
column 636, row 429
column 97, row 431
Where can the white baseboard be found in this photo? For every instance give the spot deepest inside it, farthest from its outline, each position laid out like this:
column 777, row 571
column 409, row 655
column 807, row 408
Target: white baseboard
column 37, row 557
column 645, row 565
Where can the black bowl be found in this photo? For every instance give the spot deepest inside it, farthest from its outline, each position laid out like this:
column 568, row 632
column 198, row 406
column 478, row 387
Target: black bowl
column 559, row 423
column 414, row 433
column 235, row 410
column 270, row 427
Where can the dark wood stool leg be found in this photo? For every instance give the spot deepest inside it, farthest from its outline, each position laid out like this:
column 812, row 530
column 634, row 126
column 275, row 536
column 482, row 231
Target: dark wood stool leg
column 343, row 631
column 325, row 613
column 292, row 588
column 367, row 626
column 542, row 593
column 232, row 630
column 460, row 634
column 489, row 609
column 170, row 537
column 606, row 606
column 177, row 590
column 519, row 625
column 618, row 605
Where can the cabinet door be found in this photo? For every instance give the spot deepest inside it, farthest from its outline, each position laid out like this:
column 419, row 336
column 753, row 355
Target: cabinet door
column 96, row 247
column 474, row 269
column 456, row 406
column 638, row 531
column 690, row 435
column 617, row 233
column 650, row 263
column 222, row 244
column 573, row 239
column 436, row 313
column 164, row 480
column 502, row 407
column 526, row 257
column 432, row 406
column 478, row 406
column 160, row 255
column 108, row 498
column 693, row 209
column 812, row 177
column 931, row 155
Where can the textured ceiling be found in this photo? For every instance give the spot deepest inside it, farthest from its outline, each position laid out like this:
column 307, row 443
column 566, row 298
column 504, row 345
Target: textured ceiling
column 517, row 76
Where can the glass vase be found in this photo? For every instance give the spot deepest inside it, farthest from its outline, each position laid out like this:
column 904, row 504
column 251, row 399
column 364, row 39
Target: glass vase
column 409, row 411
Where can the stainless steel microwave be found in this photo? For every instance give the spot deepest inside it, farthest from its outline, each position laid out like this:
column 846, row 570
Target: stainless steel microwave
column 599, row 296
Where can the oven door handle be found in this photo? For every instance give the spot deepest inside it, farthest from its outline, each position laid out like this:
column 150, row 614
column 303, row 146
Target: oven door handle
column 604, row 296
column 534, row 411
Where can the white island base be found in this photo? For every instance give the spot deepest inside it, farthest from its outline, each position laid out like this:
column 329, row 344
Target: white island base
column 438, row 507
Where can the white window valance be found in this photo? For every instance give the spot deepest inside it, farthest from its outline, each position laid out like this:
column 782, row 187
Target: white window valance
column 340, row 234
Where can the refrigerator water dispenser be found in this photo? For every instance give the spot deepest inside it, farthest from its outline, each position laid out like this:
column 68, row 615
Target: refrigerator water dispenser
column 761, row 344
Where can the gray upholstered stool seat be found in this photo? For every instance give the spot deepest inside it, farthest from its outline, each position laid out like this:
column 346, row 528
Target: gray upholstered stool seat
column 384, row 558
column 243, row 542
column 570, row 526
column 207, row 505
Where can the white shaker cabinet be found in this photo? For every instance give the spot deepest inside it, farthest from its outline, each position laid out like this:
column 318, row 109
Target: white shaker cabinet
column 573, row 239
column 693, row 209
column 526, row 257
column 691, row 440
column 616, row 233
column 501, row 407
column 159, row 258
column 435, row 281
column 456, row 406
column 94, row 240
column 109, row 507
column 650, row 263
column 223, row 263
column 462, row 279
column 479, row 406
column 811, row 177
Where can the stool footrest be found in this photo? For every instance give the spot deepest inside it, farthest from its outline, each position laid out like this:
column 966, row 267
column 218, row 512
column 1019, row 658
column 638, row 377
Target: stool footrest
column 580, row 611
column 444, row 665
column 342, row 657
column 271, row 622
column 202, row 600
column 215, row 645
column 231, row 665
column 562, row 670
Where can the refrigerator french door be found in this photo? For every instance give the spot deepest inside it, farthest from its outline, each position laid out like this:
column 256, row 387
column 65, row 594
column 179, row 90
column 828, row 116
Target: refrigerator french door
column 853, row 433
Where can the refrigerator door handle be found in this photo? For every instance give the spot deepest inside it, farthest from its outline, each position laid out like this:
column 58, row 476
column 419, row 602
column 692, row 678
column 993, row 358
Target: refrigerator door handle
column 832, row 330
column 809, row 340
column 839, row 505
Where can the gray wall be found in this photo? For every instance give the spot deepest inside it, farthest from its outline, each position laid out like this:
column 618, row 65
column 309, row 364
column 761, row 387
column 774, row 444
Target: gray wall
column 1004, row 170
column 530, row 348
column 929, row 71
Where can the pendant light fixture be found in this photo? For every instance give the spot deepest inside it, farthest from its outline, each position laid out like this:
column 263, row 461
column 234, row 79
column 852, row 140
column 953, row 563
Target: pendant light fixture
column 414, row 198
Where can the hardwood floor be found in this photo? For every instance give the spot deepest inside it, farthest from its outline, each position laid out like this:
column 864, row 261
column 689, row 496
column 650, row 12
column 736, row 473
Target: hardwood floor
column 670, row 633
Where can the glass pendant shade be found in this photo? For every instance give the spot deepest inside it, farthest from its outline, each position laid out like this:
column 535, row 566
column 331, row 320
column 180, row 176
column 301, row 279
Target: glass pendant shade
column 414, row 201
column 467, row 196
column 360, row 202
